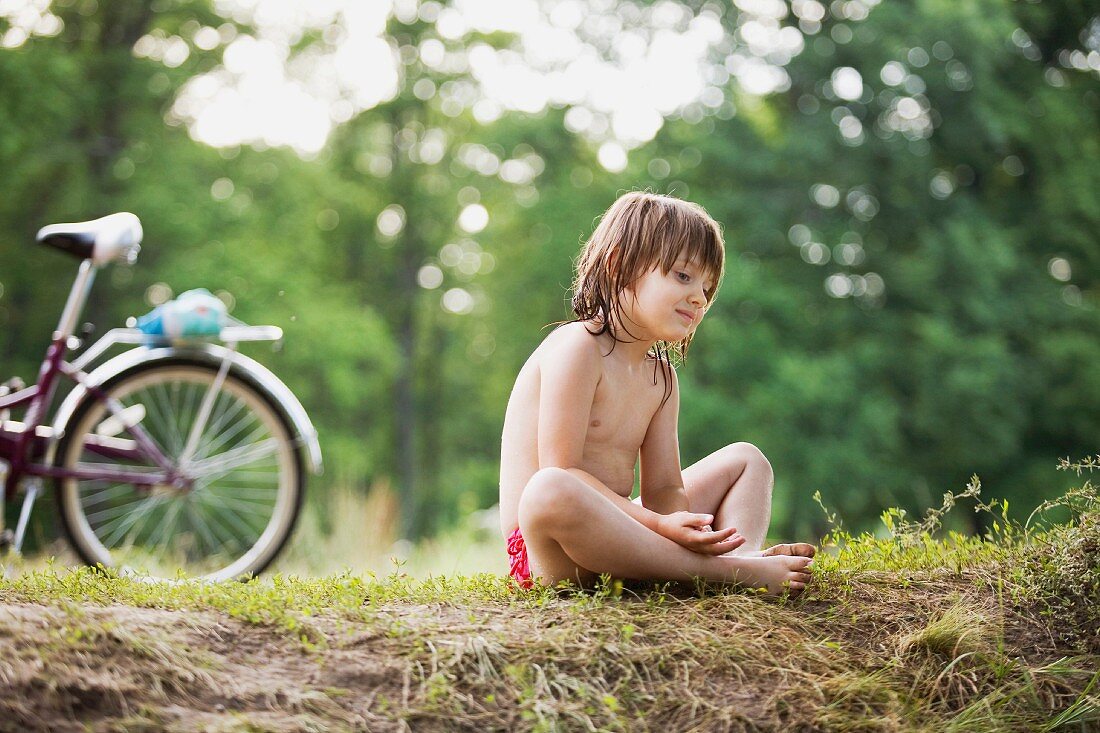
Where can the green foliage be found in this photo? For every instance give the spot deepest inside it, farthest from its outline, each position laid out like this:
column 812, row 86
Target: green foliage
column 964, row 356
column 899, row 395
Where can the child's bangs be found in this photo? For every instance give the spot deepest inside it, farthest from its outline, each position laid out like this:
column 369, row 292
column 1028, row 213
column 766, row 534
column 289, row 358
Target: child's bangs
column 692, row 236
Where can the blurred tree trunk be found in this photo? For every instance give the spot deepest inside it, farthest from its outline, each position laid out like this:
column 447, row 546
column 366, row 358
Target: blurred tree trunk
column 411, row 248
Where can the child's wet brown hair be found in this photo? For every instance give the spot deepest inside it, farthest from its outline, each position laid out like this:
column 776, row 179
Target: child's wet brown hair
column 639, row 232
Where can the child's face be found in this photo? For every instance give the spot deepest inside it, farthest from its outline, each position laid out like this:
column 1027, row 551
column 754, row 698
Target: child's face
column 668, row 306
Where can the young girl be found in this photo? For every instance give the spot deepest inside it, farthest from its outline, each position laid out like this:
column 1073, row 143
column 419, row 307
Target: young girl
column 599, row 392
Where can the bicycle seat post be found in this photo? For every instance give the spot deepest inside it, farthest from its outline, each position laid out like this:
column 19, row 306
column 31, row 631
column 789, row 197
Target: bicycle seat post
column 78, row 297
column 47, row 375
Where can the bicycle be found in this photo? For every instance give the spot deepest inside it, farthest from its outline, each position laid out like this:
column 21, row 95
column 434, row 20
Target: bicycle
column 174, row 458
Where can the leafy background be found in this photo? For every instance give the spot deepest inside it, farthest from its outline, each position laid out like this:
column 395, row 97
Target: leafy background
column 910, row 297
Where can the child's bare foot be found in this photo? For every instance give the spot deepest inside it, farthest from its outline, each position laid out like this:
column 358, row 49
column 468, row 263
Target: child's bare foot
column 778, row 573
column 797, row 549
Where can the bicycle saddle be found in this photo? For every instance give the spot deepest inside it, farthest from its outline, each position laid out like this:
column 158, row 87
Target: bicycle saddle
column 114, row 237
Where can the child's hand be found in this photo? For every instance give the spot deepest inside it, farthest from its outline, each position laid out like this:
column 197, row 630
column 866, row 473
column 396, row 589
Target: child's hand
column 693, row 532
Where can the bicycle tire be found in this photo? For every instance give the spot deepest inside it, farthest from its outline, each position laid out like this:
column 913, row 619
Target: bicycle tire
column 230, row 523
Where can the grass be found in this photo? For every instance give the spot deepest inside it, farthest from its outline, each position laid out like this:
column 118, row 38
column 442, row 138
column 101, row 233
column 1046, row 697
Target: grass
column 910, row 631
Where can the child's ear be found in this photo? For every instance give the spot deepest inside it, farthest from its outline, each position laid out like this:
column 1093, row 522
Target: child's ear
column 611, row 269
column 614, row 256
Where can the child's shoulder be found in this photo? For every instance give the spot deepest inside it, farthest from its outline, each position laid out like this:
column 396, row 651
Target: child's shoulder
column 573, row 340
column 577, row 333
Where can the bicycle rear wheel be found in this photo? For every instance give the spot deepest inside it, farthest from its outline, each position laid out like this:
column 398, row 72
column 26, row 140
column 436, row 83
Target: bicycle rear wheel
column 243, row 475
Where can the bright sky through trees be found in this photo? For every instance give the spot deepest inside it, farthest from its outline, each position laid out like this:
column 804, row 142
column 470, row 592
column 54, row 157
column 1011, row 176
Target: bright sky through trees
column 264, row 94
column 620, row 68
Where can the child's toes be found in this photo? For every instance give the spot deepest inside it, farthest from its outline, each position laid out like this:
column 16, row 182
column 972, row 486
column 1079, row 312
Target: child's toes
column 795, row 549
column 799, row 564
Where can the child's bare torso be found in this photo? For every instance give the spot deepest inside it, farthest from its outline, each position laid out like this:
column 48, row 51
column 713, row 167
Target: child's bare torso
column 625, row 401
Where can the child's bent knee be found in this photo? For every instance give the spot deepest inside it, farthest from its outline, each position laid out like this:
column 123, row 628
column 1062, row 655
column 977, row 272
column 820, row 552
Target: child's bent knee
column 546, row 496
column 749, row 455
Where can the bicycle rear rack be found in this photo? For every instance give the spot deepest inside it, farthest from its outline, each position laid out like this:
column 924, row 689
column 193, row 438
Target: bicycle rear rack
column 230, row 335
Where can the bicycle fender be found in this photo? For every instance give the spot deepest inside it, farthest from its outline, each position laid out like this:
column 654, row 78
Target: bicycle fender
column 213, row 355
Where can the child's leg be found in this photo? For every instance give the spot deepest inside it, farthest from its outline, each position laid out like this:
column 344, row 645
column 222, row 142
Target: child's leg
column 573, row 531
column 735, row 485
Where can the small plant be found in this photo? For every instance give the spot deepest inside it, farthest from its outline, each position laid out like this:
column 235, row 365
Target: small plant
column 1061, row 570
column 908, row 545
column 960, row 629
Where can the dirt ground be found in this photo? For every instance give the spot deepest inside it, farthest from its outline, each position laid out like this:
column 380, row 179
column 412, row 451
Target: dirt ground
column 123, row 668
column 888, row 654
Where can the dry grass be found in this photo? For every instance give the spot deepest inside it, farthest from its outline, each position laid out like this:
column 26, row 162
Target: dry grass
column 861, row 651
column 902, row 633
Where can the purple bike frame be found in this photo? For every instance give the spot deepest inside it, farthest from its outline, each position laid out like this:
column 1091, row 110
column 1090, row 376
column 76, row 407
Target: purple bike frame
column 23, row 447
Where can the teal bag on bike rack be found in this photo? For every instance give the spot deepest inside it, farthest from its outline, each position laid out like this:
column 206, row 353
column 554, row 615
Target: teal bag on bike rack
column 195, row 314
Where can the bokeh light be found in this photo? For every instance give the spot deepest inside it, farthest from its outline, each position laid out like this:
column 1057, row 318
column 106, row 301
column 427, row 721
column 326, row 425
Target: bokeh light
column 1060, row 269
column 473, row 218
column 391, row 220
column 847, row 83
column 429, row 277
column 158, row 294
column 458, row 301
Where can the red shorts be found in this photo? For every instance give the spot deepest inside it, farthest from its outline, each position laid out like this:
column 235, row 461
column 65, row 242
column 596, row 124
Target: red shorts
column 517, row 560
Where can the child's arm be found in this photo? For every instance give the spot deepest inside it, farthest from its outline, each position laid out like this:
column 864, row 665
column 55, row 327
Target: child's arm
column 662, row 484
column 568, row 377
column 662, row 480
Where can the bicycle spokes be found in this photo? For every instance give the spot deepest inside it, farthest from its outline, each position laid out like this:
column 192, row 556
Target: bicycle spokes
column 229, row 460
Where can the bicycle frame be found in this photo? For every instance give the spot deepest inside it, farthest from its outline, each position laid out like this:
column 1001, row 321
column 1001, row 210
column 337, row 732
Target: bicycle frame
column 22, row 443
